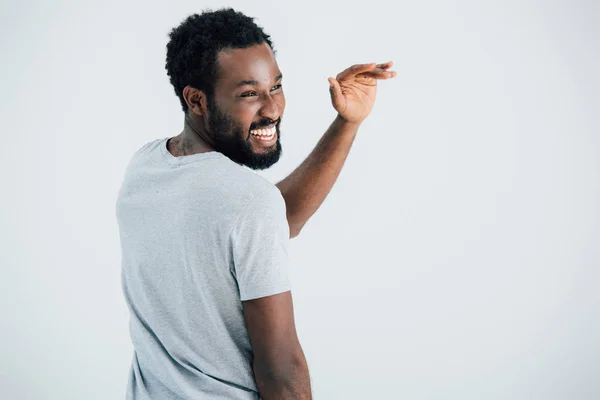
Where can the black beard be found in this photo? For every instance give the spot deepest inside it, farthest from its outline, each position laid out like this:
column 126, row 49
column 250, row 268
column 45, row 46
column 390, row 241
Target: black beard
column 232, row 141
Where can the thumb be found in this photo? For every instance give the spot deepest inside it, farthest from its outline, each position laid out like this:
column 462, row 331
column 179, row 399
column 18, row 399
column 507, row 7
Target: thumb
column 337, row 98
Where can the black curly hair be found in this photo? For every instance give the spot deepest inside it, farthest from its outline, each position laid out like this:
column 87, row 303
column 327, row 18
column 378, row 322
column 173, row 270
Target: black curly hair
column 193, row 47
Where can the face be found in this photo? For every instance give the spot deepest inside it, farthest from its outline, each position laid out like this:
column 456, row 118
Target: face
column 245, row 111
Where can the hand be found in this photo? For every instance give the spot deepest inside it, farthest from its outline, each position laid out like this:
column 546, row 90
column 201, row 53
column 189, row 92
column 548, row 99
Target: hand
column 353, row 90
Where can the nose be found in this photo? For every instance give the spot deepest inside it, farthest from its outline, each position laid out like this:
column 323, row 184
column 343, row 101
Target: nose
column 270, row 109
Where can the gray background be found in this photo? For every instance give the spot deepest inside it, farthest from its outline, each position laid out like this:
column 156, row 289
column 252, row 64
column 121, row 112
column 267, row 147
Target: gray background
column 457, row 257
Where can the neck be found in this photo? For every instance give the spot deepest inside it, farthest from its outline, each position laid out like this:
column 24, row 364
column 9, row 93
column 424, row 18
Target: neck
column 192, row 140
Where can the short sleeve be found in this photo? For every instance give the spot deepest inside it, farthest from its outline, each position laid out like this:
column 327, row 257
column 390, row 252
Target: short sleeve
column 259, row 241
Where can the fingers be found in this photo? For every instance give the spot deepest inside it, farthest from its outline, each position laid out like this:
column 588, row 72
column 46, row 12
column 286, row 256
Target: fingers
column 372, row 70
column 386, row 65
column 379, row 74
column 381, row 71
column 337, row 98
column 355, row 70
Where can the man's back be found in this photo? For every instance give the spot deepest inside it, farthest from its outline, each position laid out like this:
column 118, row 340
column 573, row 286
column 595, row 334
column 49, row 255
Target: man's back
column 199, row 235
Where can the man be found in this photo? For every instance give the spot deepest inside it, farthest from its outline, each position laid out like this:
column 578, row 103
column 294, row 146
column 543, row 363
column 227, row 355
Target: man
column 204, row 240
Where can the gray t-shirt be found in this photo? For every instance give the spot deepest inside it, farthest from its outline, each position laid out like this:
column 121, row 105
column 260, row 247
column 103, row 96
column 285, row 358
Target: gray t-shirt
column 199, row 235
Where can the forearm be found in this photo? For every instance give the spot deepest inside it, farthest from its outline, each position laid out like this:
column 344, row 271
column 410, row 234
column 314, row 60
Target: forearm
column 292, row 383
column 305, row 189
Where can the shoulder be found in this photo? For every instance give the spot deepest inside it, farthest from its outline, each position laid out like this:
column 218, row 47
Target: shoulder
column 247, row 185
column 148, row 148
column 232, row 192
column 142, row 153
column 255, row 200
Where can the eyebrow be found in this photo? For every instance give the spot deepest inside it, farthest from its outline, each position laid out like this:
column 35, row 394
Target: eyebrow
column 254, row 83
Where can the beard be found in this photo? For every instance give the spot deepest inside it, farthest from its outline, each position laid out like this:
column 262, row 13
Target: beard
column 233, row 141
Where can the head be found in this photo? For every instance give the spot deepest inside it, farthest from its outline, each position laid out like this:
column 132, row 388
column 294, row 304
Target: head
column 223, row 68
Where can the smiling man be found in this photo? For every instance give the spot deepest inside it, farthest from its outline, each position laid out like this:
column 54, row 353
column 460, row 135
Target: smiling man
column 236, row 121
column 204, row 239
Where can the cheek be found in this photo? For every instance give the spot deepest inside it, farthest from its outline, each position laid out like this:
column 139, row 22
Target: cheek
column 281, row 102
column 245, row 116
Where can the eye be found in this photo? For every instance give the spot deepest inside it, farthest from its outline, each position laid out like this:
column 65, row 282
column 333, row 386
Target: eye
column 248, row 94
column 278, row 86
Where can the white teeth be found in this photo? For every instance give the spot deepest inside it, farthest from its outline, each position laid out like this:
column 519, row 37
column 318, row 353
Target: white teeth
column 264, row 132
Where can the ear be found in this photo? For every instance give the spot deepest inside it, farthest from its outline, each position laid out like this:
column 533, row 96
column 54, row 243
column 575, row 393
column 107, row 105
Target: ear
column 195, row 100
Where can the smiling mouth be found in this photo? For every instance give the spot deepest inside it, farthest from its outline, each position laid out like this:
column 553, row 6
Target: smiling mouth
column 267, row 133
column 264, row 133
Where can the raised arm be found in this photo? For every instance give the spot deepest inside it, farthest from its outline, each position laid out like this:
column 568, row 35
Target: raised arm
column 352, row 95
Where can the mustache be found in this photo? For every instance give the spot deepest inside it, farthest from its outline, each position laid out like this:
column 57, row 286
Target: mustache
column 263, row 123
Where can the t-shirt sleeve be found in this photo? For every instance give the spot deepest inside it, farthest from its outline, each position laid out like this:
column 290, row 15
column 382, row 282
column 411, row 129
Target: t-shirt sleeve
column 259, row 242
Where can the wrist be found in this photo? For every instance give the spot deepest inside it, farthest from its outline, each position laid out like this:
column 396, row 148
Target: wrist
column 343, row 122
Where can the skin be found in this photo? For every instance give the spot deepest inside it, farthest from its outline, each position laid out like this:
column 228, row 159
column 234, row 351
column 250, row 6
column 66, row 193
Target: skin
column 248, row 90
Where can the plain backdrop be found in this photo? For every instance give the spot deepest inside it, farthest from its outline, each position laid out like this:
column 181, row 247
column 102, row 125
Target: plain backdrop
column 457, row 256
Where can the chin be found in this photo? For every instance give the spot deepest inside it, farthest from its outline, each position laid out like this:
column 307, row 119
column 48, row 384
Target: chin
column 264, row 159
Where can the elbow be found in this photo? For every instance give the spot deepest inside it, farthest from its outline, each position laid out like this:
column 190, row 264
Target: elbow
column 294, row 233
column 295, row 230
column 295, row 225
